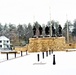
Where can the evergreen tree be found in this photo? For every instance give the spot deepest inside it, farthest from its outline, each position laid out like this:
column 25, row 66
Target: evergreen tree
column 20, row 31
column 12, row 33
column 1, row 29
column 74, row 28
column 29, row 32
column 36, row 24
column 69, row 30
column 5, row 30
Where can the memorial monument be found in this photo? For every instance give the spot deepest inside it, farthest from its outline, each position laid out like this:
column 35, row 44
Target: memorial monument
column 34, row 30
column 53, row 31
column 40, row 31
column 47, row 43
column 55, row 43
column 60, row 30
column 47, row 31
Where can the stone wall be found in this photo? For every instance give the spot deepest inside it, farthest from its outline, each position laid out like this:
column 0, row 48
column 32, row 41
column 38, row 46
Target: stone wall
column 71, row 46
column 19, row 48
column 45, row 44
column 48, row 43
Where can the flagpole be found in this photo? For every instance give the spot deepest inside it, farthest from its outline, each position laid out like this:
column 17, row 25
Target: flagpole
column 67, row 30
column 50, row 22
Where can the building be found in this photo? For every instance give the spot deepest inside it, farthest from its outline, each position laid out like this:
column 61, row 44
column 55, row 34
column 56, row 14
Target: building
column 4, row 43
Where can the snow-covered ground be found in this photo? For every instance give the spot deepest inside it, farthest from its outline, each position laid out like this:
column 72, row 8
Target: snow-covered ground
column 28, row 64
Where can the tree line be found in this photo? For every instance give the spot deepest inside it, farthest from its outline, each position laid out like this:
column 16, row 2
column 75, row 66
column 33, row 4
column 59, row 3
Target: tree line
column 71, row 31
column 20, row 34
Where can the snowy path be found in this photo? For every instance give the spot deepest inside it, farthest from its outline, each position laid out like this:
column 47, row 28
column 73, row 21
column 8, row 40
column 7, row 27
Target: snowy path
column 27, row 65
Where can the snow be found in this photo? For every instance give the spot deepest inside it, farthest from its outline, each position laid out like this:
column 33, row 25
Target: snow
column 3, row 38
column 28, row 64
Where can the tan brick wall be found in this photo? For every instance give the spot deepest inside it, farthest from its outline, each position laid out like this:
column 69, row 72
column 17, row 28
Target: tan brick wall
column 21, row 48
column 44, row 44
column 70, row 46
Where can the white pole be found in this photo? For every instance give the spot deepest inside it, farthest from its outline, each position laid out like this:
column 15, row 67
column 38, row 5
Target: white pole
column 50, row 22
column 67, row 31
column 34, row 19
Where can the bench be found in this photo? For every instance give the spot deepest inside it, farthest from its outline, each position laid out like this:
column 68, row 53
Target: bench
column 9, row 52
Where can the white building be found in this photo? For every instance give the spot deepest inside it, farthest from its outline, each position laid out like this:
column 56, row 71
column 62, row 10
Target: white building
column 4, row 42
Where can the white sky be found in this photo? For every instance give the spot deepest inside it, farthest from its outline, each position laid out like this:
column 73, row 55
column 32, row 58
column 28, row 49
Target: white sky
column 23, row 11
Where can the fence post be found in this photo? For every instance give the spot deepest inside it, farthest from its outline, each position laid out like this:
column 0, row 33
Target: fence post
column 49, row 52
column 46, row 53
column 38, row 57
column 26, row 52
column 7, row 55
column 52, row 51
column 43, row 55
column 15, row 54
column 21, row 53
column 54, row 62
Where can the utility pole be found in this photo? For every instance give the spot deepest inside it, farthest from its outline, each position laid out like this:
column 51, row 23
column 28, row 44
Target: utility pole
column 34, row 19
column 50, row 22
column 34, row 16
column 67, row 31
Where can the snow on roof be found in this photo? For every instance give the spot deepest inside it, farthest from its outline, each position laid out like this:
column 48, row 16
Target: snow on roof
column 3, row 38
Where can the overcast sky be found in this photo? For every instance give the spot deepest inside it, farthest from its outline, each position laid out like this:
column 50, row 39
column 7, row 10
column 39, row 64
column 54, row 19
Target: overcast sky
column 25, row 11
